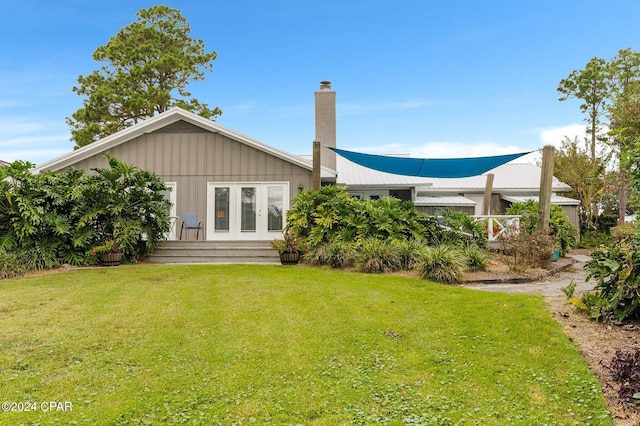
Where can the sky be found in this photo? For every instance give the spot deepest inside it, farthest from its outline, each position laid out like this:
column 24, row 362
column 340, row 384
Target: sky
column 435, row 79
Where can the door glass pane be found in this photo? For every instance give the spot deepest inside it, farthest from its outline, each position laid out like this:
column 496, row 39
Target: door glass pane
column 222, row 210
column 248, row 209
column 275, row 201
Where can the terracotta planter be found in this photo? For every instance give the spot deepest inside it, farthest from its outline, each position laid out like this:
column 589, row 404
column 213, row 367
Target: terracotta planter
column 111, row 259
column 290, row 258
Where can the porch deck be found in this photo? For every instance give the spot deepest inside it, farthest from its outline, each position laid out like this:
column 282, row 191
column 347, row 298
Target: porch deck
column 214, row 252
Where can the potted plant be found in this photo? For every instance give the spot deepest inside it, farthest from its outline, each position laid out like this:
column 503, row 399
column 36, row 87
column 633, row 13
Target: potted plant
column 109, row 253
column 119, row 238
column 288, row 248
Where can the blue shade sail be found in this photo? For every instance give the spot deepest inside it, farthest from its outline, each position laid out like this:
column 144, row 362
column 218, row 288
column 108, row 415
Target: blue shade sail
column 429, row 167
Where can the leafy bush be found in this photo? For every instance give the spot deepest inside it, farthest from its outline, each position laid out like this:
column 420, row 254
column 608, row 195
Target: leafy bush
column 605, row 222
column 444, row 264
column 330, row 215
column 592, row 239
column 466, row 229
column 621, row 232
column 616, row 269
column 570, row 289
column 596, row 306
column 560, row 227
column 625, row 369
column 60, row 217
column 378, row 256
column 522, row 250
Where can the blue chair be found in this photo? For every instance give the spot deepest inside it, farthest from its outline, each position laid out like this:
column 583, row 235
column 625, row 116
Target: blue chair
column 190, row 221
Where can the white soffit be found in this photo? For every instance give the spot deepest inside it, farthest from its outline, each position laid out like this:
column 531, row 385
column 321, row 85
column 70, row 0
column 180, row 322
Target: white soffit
column 555, row 199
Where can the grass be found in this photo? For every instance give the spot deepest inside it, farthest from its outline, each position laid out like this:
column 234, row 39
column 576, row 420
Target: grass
column 242, row 344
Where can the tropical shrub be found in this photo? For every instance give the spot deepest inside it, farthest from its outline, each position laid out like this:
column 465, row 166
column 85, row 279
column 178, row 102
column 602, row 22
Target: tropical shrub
column 594, row 304
column 560, row 227
column 616, row 269
column 381, row 235
column 621, row 232
column 65, row 217
column 444, row 264
column 125, row 204
column 593, row 239
column 464, row 229
column 331, row 214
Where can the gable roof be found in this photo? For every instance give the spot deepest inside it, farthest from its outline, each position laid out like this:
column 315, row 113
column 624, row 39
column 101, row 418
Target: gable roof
column 508, row 177
column 158, row 122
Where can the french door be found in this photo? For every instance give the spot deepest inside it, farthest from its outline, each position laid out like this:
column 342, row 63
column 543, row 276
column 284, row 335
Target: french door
column 173, row 218
column 246, row 211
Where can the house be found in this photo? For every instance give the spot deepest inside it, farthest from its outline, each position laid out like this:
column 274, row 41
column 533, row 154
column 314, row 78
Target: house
column 240, row 188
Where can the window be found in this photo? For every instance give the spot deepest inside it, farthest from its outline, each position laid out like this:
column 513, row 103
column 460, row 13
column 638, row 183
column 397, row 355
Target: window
column 222, row 210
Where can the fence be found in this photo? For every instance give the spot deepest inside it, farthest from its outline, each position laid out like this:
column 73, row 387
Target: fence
column 497, row 225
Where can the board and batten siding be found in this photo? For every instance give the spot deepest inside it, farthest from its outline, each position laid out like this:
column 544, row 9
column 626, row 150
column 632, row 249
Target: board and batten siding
column 191, row 158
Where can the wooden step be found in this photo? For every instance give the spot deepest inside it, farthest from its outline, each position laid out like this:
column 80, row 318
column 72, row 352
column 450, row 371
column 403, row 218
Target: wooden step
column 214, row 252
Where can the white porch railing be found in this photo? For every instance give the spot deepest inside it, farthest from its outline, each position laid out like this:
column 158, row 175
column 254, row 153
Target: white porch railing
column 497, row 225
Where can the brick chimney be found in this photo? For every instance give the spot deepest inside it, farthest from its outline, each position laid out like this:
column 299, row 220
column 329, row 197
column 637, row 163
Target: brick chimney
column 326, row 123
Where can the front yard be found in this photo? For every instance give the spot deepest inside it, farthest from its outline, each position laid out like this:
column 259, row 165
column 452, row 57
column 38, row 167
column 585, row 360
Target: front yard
column 240, row 344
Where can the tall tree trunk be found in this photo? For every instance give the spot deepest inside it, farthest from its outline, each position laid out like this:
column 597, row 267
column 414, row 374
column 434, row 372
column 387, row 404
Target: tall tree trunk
column 622, row 194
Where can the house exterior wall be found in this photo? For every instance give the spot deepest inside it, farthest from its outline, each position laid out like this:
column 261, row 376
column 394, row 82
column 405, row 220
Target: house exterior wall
column 572, row 213
column 191, row 157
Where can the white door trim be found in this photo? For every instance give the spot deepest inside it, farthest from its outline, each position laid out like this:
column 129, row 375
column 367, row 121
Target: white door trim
column 228, row 217
column 173, row 218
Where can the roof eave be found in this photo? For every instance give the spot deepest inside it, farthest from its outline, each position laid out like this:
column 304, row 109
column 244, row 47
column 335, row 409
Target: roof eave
column 155, row 123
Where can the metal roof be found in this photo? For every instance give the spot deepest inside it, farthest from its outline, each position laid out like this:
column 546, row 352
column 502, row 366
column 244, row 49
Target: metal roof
column 445, row 200
column 555, row 199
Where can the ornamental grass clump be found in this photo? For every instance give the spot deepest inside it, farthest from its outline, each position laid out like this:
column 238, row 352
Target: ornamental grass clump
column 339, row 254
column 476, row 258
column 378, row 256
column 410, row 252
column 444, row 264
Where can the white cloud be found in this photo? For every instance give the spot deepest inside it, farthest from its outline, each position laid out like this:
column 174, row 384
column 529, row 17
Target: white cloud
column 35, row 156
column 32, row 138
column 555, row 136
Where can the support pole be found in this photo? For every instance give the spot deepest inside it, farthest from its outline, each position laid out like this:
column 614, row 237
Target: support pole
column 546, row 181
column 488, row 189
column 316, row 166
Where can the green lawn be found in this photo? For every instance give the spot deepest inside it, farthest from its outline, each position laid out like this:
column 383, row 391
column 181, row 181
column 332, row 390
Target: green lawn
column 243, row 344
